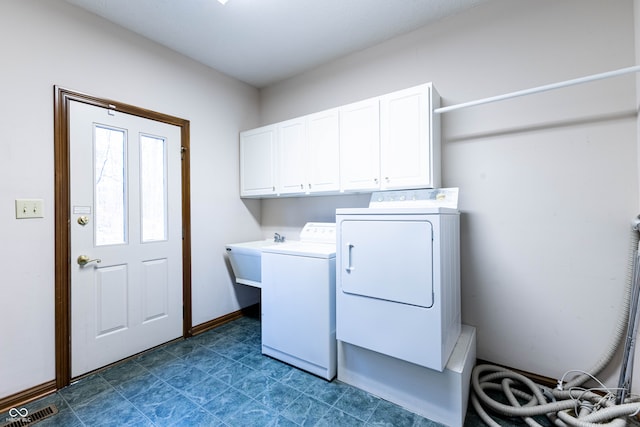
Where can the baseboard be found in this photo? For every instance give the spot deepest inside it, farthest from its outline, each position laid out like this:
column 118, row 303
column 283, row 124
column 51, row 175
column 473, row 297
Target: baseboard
column 538, row 379
column 250, row 311
column 26, row 396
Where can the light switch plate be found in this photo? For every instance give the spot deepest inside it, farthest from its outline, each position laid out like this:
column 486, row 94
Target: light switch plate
column 29, row 208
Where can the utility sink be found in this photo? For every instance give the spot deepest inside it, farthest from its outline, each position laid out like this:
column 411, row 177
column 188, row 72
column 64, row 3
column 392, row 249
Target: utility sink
column 246, row 261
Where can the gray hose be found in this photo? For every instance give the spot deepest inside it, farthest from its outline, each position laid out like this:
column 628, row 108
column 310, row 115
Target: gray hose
column 621, row 325
column 566, row 397
column 572, row 421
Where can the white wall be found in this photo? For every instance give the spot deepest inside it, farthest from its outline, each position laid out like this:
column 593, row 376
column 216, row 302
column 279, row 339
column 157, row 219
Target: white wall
column 636, row 20
column 47, row 42
column 549, row 183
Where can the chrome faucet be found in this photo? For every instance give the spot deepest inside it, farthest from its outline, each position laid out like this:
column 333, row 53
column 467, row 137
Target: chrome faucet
column 278, row 238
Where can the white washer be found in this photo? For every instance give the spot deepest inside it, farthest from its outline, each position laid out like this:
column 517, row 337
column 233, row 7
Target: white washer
column 298, row 300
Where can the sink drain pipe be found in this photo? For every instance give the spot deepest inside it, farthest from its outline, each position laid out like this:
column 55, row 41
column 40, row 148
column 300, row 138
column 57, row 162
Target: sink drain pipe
column 569, row 404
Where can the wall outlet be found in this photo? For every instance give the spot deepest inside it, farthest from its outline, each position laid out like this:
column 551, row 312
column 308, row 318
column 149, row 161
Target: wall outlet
column 29, row 208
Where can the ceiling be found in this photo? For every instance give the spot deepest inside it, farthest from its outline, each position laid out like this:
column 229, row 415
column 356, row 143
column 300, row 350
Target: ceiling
column 262, row 42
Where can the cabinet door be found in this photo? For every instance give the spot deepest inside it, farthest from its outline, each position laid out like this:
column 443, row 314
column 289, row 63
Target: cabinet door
column 360, row 145
column 257, row 162
column 323, row 142
column 292, row 155
column 405, row 155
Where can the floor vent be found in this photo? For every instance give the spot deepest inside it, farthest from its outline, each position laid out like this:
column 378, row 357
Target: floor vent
column 20, row 419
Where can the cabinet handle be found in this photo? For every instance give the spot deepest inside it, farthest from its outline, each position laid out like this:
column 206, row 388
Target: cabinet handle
column 375, row 180
column 302, row 186
column 350, row 266
column 386, row 178
column 309, row 186
column 273, row 188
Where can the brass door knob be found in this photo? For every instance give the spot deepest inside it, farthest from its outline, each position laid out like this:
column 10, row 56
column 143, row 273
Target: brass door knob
column 84, row 260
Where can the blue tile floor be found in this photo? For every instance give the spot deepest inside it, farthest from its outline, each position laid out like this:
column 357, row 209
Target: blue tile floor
column 218, row 378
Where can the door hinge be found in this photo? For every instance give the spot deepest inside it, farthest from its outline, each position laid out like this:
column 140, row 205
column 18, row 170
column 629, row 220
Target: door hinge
column 182, row 150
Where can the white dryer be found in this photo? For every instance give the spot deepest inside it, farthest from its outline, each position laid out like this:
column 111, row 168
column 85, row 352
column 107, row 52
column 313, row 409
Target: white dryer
column 398, row 281
column 298, row 300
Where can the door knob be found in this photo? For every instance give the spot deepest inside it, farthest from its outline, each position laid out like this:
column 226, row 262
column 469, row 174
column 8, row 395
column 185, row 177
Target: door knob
column 84, row 260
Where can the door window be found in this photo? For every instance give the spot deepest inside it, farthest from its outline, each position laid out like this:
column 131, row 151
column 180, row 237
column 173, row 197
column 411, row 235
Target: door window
column 153, row 188
column 110, row 185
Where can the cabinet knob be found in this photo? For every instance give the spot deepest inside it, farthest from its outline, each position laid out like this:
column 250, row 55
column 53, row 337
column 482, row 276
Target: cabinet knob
column 375, row 180
column 386, row 178
column 302, row 186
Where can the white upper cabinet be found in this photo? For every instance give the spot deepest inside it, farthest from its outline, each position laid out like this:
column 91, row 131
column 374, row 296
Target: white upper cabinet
column 324, row 151
column 292, row 156
column 308, row 154
column 257, row 162
column 360, row 146
column 408, row 158
column 387, row 142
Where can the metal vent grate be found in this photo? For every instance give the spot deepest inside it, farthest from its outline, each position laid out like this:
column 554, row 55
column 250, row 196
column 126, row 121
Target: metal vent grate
column 30, row 419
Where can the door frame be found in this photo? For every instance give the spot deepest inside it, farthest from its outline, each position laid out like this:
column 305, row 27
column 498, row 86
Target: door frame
column 62, row 99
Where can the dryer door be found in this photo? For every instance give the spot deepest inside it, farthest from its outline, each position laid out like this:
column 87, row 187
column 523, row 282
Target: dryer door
column 388, row 259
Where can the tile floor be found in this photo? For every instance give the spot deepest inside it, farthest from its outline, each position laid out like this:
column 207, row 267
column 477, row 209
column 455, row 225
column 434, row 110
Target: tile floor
column 218, row 378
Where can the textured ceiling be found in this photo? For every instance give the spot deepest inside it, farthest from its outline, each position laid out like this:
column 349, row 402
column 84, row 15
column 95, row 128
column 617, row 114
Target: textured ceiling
column 262, row 42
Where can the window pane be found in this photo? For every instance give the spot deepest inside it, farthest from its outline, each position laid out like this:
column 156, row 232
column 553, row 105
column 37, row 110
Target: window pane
column 153, row 188
column 110, row 194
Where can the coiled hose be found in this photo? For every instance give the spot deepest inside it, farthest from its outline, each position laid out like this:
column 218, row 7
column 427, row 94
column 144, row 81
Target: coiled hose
column 568, row 404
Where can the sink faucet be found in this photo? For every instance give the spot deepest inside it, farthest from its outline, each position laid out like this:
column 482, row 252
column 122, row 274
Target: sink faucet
column 278, row 238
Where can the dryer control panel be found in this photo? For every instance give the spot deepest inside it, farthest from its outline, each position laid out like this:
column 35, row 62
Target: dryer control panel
column 421, row 198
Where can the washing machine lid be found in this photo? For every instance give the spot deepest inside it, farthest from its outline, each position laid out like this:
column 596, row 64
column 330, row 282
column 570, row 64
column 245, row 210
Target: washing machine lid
column 299, row 248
